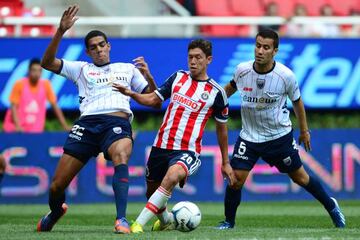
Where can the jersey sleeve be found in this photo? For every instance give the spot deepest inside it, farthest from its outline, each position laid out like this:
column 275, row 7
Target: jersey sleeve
column 16, row 92
column 221, row 107
column 71, row 69
column 293, row 90
column 164, row 91
column 50, row 95
column 138, row 82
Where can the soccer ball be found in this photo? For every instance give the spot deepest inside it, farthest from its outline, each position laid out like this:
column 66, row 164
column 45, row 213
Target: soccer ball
column 187, row 216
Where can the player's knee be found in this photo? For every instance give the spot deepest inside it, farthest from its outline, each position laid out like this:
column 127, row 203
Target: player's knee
column 120, row 157
column 238, row 185
column 55, row 187
column 171, row 180
column 301, row 180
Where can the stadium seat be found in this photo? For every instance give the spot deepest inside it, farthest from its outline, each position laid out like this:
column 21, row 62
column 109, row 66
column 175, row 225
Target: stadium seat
column 213, row 8
column 312, row 6
column 216, row 8
column 219, row 30
column 11, row 8
column 37, row 30
column 247, row 8
column 7, row 31
column 285, row 7
column 343, row 7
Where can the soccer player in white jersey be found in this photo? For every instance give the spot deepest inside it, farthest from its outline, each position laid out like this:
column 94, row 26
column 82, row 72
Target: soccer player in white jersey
column 194, row 98
column 264, row 86
column 104, row 124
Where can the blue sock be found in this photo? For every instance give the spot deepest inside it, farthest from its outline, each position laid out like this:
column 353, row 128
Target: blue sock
column 121, row 186
column 55, row 204
column 1, row 177
column 231, row 202
column 314, row 187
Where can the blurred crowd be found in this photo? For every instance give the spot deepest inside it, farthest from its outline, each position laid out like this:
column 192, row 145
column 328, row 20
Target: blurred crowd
column 280, row 8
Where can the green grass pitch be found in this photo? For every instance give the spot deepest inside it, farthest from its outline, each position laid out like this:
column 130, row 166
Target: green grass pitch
column 255, row 220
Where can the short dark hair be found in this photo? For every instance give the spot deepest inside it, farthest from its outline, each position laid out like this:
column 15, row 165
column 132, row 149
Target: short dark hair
column 269, row 33
column 34, row 61
column 94, row 33
column 203, row 44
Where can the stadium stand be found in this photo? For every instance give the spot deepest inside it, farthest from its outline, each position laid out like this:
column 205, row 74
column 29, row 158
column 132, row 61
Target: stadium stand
column 10, row 8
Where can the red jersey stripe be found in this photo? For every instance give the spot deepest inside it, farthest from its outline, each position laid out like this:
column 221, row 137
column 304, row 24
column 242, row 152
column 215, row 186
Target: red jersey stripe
column 178, row 115
column 191, row 122
column 163, row 126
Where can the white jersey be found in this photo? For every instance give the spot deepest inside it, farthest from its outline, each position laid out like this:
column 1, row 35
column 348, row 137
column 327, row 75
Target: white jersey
column 96, row 95
column 264, row 113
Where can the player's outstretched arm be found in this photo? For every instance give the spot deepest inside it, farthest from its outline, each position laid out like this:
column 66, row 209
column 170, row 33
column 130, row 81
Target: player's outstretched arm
column 222, row 137
column 143, row 67
column 49, row 60
column 147, row 99
column 304, row 137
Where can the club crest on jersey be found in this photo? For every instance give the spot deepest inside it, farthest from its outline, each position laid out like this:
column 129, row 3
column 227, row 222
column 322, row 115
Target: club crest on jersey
column 205, row 96
column 225, row 112
column 186, row 102
column 260, row 83
column 117, row 130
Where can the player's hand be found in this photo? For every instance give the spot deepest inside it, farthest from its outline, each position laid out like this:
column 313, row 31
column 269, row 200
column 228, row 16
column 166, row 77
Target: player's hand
column 143, row 67
column 228, row 173
column 69, row 18
column 67, row 128
column 120, row 88
column 304, row 138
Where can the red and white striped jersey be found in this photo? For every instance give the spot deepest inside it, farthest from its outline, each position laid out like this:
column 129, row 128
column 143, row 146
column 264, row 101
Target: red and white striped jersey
column 191, row 104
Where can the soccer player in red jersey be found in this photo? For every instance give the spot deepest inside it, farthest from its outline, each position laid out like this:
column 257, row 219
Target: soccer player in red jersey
column 194, row 98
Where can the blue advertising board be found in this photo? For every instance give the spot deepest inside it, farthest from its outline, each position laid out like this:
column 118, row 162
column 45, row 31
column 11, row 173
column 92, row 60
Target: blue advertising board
column 32, row 158
column 328, row 70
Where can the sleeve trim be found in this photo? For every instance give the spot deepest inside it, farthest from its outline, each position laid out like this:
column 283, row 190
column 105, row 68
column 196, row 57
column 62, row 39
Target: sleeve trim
column 159, row 95
column 221, row 120
column 61, row 67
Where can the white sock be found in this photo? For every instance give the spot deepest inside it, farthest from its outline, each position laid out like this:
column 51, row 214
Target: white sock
column 163, row 215
column 157, row 201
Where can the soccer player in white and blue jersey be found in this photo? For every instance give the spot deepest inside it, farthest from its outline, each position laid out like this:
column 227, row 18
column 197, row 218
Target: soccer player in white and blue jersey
column 104, row 124
column 264, row 86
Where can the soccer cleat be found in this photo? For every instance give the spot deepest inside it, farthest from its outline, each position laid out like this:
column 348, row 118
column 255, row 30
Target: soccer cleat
column 164, row 227
column 121, row 226
column 337, row 216
column 224, row 225
column 136, row 228
column 47, row 222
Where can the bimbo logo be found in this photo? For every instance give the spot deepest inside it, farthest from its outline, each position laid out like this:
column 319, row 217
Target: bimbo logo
column 186, row 101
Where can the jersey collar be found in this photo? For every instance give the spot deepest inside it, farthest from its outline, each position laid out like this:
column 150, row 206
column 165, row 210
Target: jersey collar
column 264, row 72
column 102, row 64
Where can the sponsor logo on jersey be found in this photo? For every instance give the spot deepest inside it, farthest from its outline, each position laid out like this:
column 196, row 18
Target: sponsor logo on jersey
column 287, row 161
column 117, row 130
column 205, row 95
column 258, row 100
column 247, row 89
column 94, row 73
column 260, row 83
column 186, row 102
